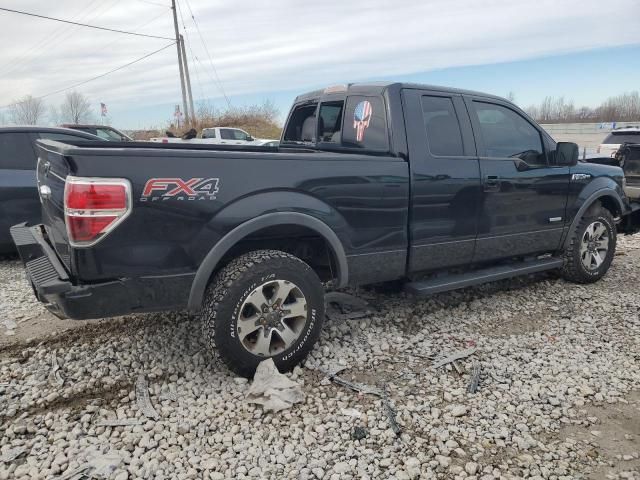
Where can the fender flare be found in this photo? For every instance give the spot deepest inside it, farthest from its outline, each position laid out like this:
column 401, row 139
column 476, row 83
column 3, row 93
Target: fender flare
column 214, row 256
column 603, row 192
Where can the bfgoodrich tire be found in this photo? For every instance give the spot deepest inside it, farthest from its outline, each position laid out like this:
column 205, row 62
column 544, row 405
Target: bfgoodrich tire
column 591, row 247
column 263, row 304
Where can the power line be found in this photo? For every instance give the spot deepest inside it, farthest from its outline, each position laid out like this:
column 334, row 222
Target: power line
column 84, row 24
column 101, row 75
column 204, row 44
column 154, row 3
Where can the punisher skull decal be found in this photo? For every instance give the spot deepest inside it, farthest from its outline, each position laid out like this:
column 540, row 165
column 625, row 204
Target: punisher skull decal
column 361, row 118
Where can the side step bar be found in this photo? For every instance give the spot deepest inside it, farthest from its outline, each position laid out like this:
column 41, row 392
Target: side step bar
column 476, row 277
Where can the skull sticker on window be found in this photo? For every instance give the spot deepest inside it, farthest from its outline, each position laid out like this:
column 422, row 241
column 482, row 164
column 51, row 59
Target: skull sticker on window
column 361, row 118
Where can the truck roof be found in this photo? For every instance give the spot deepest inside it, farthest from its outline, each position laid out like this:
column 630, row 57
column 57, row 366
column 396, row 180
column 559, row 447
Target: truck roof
column 377, row 88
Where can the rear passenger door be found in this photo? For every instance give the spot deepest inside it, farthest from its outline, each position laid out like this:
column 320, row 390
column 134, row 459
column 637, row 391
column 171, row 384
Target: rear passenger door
column 445, row 182
column 524, row 196
column 18, row 194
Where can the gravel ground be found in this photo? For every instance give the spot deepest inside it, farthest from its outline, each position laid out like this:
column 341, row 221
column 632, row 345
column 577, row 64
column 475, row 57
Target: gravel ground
column 557, row 398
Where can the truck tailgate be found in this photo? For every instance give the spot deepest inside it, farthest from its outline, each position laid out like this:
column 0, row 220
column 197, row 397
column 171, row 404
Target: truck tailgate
column 52, row 170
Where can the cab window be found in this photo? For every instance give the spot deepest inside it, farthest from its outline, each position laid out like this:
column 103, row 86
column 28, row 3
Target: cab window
column 507, row 134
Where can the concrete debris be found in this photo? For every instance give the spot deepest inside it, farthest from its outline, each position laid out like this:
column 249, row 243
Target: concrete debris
column 453, row 357
column 119, row 422
column 350, row 412
column 10, row 326
column 142, row 399
column 11, row 454
column 97, row 465
column 273, row 390
column 474, row 380
column 342, row 306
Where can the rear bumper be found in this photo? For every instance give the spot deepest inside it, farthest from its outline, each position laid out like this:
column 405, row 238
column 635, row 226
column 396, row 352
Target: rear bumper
column 60, row 295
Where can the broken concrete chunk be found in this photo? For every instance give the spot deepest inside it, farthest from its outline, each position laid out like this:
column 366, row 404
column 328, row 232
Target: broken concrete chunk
column 119, row 422
column 11, row 454
column 273, row 390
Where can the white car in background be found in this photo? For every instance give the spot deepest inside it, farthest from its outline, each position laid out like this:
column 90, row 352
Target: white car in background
column 616, row 138
column 221, row 136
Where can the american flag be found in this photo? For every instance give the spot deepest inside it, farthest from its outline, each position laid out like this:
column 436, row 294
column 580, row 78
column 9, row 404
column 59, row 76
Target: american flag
column 361, row 118
column 103, row 109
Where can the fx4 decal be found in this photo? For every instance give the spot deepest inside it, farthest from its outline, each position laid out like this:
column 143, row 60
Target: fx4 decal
column 180, row 189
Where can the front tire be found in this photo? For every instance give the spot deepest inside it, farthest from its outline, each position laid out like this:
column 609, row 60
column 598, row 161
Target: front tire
column 263, row 304
column 591, row 248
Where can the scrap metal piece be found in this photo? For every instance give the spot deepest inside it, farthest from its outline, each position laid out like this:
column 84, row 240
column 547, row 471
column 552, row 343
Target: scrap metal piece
column 142, row 399
column 343, row 306
column 455, row 356
column 356, row 387
column 474, row 380
column 55, row 367
column 359, row 433
column 457, row 367
column 11, row 454
column 119, row 422
column 390, row 413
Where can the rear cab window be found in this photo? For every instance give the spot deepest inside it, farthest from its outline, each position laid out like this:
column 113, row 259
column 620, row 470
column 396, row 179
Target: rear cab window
column 16, row 151
column 354, row 123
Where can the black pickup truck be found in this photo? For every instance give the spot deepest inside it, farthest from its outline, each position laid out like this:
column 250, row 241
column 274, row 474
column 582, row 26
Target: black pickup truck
column 371, row 183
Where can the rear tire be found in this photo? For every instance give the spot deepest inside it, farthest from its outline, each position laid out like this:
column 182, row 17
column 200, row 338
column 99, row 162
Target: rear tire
column 264, row 304
column 591, row 248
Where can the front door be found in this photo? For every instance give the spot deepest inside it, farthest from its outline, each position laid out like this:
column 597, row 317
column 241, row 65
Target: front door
column 445, row 183
column 524, row 196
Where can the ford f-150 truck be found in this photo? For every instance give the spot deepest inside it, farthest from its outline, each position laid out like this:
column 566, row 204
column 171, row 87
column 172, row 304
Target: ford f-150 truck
column 438, row 187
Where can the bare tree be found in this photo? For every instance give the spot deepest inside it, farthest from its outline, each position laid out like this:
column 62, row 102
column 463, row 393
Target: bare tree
column 27, row 110
column 54, row 115
column 76, row 108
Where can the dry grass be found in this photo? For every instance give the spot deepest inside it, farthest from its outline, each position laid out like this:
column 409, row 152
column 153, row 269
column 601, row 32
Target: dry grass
column 261, row 121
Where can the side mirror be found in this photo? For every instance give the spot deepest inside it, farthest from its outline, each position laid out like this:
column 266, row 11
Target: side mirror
column 567, row 154
column 250, row 138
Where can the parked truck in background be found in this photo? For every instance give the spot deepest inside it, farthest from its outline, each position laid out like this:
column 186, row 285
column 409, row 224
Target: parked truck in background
column 221, row 136
column 438, row 187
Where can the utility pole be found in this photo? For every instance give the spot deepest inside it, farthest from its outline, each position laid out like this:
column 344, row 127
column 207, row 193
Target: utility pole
column 184, row 94
column 186, row 74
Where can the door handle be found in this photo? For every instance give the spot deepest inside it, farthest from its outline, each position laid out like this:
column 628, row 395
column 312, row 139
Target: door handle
column 492, row 183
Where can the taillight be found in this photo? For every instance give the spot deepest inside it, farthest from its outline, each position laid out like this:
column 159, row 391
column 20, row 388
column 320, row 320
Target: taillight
column 93, row 207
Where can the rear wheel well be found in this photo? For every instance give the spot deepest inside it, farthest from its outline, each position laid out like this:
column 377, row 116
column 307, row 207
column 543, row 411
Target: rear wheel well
column 301, row 242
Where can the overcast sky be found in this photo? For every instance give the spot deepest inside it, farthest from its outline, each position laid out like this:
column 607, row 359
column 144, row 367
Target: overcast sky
column 273, row 49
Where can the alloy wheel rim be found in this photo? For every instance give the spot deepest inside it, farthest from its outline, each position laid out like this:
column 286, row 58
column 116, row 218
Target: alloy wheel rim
column 594, row 245
column 272, row 318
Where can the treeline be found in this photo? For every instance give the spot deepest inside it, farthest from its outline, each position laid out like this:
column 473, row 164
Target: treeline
column 621, row 108
column 29, row 110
